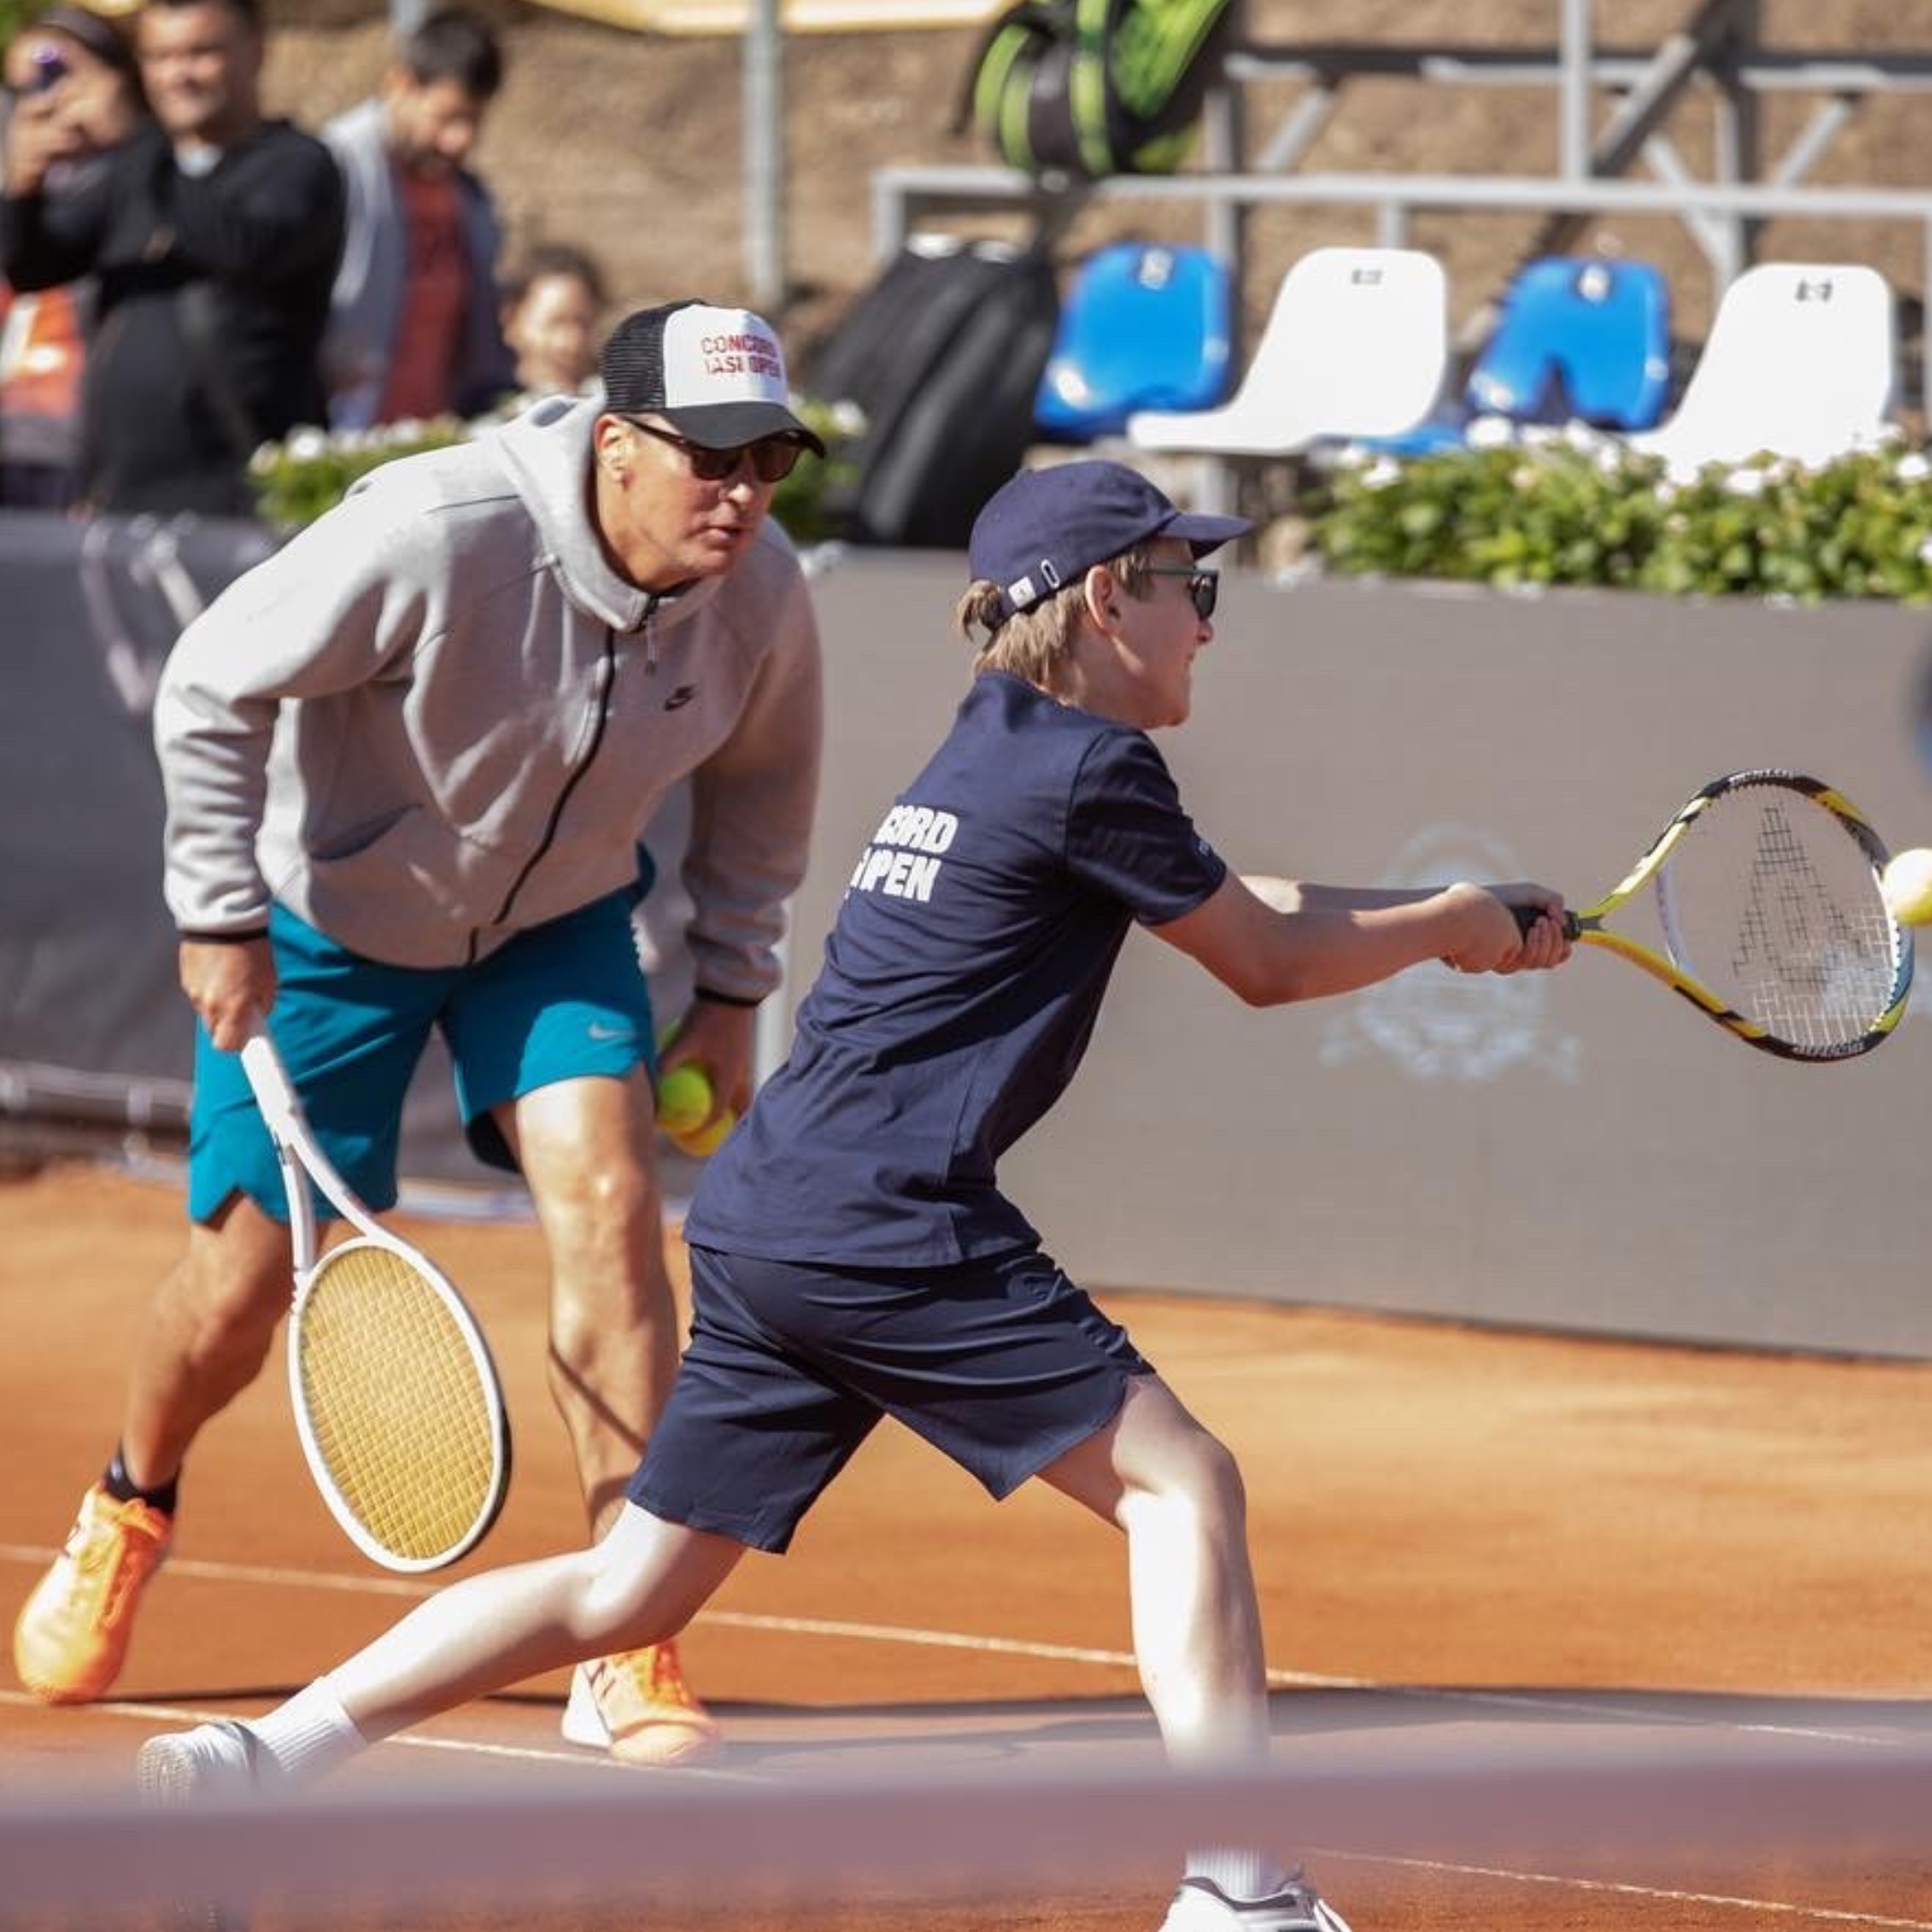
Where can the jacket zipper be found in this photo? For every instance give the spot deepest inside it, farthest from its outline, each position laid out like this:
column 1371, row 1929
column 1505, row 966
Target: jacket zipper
column 608, row 670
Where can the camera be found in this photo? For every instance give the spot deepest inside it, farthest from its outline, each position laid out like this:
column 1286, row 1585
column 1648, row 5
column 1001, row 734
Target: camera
column 50, row 68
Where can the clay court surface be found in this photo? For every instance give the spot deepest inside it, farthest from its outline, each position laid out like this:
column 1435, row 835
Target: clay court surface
column 1467, row 1541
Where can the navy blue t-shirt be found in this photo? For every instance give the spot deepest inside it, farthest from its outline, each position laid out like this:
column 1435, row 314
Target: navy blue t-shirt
column 961, row 986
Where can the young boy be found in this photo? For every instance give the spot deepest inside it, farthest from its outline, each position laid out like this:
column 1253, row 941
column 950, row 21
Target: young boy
column 852, row 1254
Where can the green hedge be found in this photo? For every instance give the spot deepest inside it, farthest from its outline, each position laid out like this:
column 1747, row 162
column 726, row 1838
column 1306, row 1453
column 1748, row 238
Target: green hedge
column 1574, row 509
column 296, row 481
column 1581, row 510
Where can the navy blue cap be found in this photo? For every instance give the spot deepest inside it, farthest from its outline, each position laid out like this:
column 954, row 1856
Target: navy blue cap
column 1045, row 528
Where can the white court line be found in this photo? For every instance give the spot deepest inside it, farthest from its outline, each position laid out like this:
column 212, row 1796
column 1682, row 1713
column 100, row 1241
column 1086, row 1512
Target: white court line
column 1833, row 1913
column 575, row 1757
column 1553, row 1881
column 415, row 1588
column 268, row 1576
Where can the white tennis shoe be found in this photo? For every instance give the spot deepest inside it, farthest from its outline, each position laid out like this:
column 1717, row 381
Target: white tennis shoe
column 1200, row 1905
column 212, row 1761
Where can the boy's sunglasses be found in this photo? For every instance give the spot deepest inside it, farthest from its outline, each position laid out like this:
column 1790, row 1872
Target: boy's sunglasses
column 772, row 458
column 1203, row 586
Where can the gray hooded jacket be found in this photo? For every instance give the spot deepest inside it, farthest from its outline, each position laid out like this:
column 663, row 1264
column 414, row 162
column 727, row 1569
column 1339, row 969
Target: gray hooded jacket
column 473, row 717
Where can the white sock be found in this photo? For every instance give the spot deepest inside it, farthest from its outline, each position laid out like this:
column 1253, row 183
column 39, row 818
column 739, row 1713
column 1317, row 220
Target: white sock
column 310, row 1735
column 1241, row 1875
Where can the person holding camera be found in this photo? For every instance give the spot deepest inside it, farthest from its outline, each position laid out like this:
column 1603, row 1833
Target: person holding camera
column 213, row 236
column 74, row 72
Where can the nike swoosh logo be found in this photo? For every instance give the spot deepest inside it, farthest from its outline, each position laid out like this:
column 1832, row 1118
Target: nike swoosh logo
column 599, row 1031
column 681, row 697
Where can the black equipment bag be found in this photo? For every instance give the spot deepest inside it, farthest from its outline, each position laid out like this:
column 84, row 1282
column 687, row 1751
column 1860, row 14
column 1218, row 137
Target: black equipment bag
column 943, row 357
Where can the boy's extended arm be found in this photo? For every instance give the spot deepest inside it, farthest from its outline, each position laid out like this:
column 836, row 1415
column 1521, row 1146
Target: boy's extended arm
column 1272, row 940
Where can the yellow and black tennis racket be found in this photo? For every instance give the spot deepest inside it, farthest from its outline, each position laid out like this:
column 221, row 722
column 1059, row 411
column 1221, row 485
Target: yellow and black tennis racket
column 397, row 1401
column 1766, row 887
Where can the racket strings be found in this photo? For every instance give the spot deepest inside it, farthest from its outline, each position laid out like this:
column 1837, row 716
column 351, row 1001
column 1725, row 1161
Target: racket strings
column 401, row 1417
column 1776, row 887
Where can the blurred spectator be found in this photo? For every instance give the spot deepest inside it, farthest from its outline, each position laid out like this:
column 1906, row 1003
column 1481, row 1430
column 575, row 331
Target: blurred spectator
column 413, row 323
column 214, row 235
column 79, row 70
column 553, row 318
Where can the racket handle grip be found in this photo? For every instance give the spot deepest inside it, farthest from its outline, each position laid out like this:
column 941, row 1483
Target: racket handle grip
column 1527, row 917
column 274, row 1095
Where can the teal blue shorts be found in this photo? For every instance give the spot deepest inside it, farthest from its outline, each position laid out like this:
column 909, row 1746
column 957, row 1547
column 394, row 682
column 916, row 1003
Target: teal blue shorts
column 559, row 1002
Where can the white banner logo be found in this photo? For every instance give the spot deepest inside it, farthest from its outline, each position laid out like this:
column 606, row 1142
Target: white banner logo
column 1440, row 1025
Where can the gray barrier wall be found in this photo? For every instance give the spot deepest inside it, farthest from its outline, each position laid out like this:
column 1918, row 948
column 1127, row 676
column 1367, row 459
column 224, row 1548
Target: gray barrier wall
column 91, row 1019
column 1578, row 1150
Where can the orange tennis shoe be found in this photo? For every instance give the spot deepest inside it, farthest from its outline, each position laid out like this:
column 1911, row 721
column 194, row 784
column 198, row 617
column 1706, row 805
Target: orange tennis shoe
column 637, row 1706
column 73, row 1636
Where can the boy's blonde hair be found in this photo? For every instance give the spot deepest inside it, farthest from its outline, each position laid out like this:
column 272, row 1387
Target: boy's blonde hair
column 1033, row 643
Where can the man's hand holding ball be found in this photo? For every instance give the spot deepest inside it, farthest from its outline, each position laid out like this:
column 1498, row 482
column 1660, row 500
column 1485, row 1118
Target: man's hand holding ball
column 685, row 1104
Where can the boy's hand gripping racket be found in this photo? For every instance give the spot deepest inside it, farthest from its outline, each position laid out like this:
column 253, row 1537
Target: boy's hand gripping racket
column 1774, row 923
column 396, row 1399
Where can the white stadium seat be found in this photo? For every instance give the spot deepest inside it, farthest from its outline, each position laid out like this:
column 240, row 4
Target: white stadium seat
column 1801, row 362
column 1357, row 345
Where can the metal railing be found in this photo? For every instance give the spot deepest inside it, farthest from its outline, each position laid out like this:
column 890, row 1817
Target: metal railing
column 1717, row 51
column 900, row 196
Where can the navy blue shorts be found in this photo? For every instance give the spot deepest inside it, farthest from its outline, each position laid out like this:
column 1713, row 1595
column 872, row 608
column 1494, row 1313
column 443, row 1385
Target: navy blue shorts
column 560, row 1001
column 1002, row 1364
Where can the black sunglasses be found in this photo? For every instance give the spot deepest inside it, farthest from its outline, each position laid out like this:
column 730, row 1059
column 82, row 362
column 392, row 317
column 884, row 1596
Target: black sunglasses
column 772, row 458
column 1203, row 586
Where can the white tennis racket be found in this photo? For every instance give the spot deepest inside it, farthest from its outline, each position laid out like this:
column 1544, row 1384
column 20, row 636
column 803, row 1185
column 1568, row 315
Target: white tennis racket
column 397, row 1401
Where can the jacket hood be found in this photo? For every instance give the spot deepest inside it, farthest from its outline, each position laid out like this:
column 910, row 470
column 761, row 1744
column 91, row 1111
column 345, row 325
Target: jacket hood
column 545, row 453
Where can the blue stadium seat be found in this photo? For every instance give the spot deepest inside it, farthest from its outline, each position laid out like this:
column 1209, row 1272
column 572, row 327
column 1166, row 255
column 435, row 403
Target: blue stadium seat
column 1144, row 325
column 1578, row 339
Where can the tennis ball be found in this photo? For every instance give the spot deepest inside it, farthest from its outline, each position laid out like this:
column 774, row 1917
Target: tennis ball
column 708, row 1139
column 1908, row 886
column 683, row 1100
